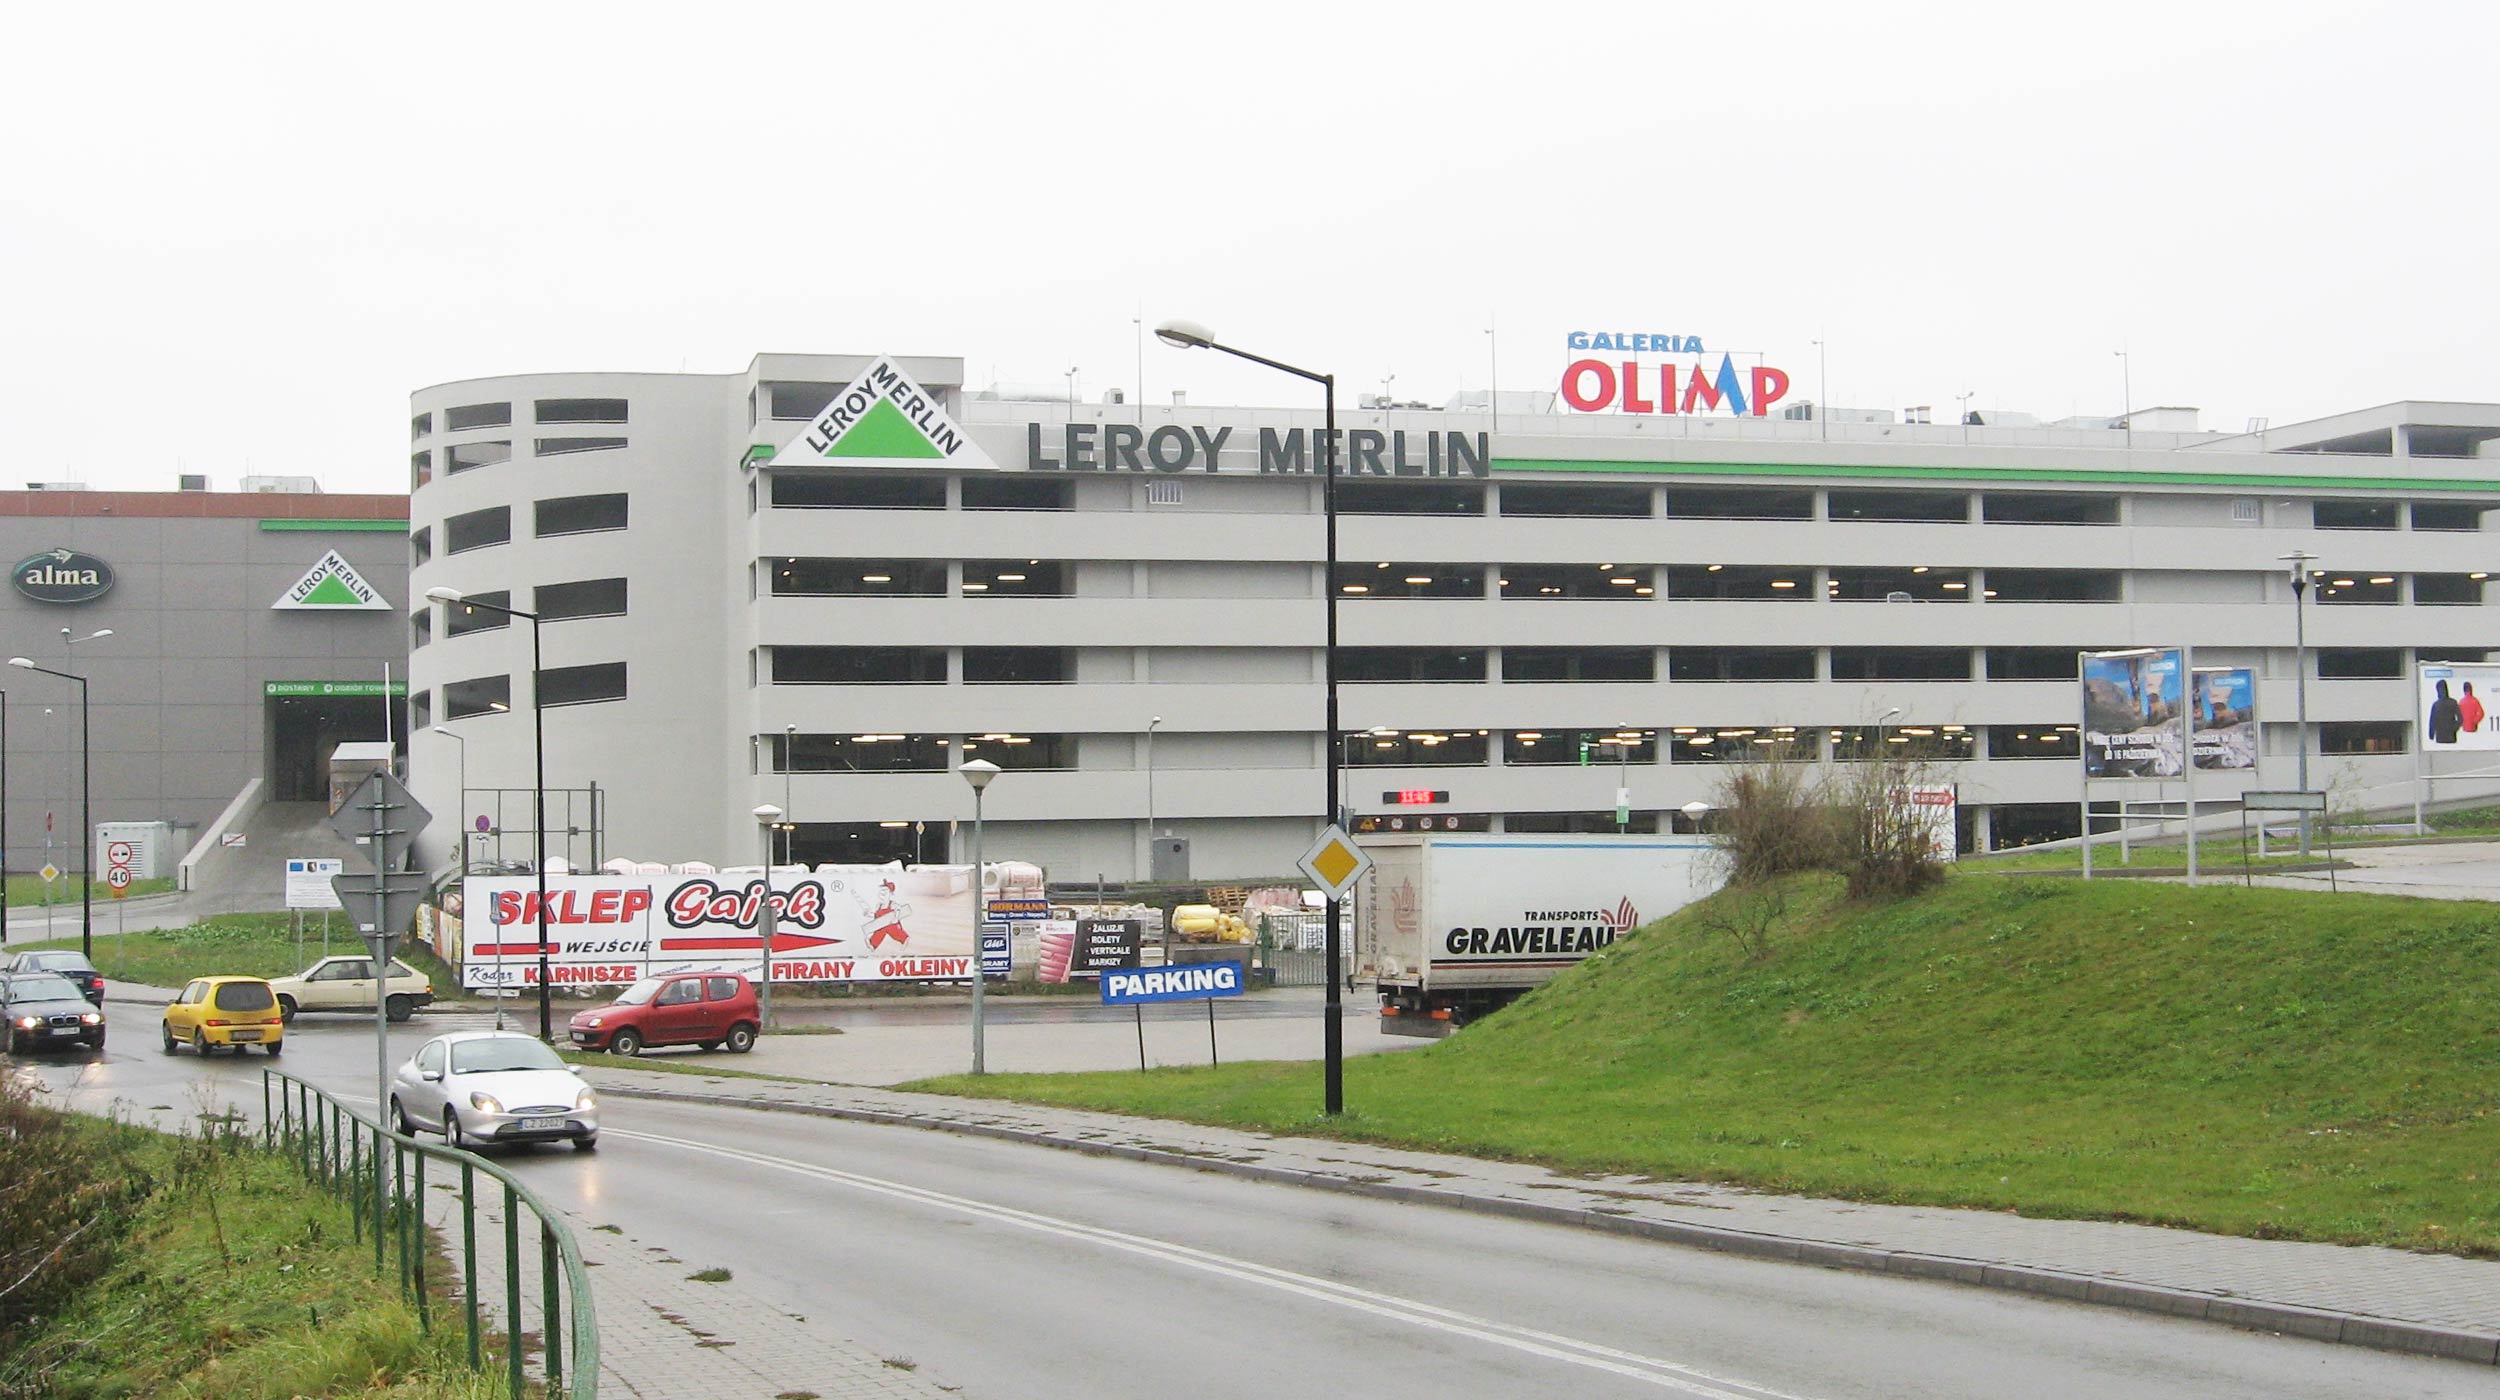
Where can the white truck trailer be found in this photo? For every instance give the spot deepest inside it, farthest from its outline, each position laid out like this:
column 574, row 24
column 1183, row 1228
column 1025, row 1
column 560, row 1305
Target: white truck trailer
column 1452, row 927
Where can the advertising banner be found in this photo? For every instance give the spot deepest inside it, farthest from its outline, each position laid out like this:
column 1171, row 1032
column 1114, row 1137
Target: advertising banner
column 870, row 923
column 2225, row 718
column 2452, row 709
column 1935, row 807
column 1074, row 948
column 2131, row 714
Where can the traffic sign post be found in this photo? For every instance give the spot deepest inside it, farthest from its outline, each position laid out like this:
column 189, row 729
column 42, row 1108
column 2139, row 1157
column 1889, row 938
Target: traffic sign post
column 384, row 818
column 1334, row 862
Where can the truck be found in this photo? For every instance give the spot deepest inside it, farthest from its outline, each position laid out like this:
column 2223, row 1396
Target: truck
column 1454, row 927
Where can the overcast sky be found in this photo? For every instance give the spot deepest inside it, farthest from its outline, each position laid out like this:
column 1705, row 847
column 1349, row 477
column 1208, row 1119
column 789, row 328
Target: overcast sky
column 234, row 238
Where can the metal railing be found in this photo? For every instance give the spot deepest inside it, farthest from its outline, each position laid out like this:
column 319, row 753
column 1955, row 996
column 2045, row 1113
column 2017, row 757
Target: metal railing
column 381, row 1176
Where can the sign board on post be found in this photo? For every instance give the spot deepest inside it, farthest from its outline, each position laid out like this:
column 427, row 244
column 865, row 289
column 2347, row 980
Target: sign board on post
column 2224, row 721
column 308, row 882
column 2131, row 705
column 1334, row 862
column 401, row 821
column 1187, row 982
column 997, row 950
column 2459, row 706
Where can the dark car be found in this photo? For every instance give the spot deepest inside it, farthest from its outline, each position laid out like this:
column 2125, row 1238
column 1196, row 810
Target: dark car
column 71, row 965
column 45, row 1008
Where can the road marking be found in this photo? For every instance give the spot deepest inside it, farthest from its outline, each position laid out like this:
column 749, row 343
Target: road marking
column 1552, row 1346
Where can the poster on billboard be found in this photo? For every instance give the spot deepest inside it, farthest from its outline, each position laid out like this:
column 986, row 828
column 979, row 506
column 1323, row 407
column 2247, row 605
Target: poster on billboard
column 2454, row 697
column 870, row 923
column 2131, row 705
column 2224, row 717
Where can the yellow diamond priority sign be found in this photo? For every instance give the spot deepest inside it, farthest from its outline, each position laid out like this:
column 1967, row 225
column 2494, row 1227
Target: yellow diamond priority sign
column 50, row 872
column 1334, row 862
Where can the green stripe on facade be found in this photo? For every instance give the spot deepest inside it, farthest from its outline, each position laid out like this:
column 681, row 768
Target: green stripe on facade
column 1938, row 473
column 395, row 527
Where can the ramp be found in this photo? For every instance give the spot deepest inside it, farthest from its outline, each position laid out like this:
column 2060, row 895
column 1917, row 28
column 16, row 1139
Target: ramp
column 251, row 877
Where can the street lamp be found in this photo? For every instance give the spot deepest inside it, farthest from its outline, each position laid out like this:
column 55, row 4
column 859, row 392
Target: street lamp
column 4, row 819
column 461, row 803
column 2299, row 560
column 789, row 747
column 1189, row 335
column 1625, row 736
column 453, row 597
column 1150, row 794
column 978, row 772
column 1694, row 811
column 767, row 817
column 86, row 803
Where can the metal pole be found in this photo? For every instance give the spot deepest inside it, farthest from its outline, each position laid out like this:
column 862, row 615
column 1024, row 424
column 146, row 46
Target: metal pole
column 1150, row 795
column 1332, row 1034
column 789, row 814
column 980, row 926
column 768, row 926
column 4, row 818
column 86, row 817
column 2300, row 690
column 538, row 746
column 2187, row 751
column 378, row 948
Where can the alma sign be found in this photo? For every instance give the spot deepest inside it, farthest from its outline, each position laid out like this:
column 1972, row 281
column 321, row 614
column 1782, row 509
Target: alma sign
column 62, row 576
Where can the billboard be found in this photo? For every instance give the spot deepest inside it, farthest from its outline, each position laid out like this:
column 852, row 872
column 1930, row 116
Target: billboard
column 2452, row 711
column 2131, row 703
column 2224, row 717
column 867, row 923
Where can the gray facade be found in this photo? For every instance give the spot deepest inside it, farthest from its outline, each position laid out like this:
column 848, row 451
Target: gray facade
column 205, row 684
column 1707, row 583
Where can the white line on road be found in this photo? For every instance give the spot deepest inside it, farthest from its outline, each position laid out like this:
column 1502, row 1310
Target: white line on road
column 1648, row 1369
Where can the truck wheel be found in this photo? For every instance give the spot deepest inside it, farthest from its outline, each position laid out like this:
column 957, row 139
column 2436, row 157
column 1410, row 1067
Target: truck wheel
column 399, row 1008
column 286, row 1011
column 626, row 1042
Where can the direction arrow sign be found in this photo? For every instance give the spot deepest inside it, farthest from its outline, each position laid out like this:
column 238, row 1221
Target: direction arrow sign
column 1334, row 862
column 782, row 943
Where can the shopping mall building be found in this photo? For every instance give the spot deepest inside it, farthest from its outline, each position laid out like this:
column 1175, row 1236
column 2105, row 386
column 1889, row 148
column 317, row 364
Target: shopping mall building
column 825, row 582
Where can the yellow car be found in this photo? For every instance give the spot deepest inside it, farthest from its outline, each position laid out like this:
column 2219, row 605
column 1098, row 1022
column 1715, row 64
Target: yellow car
column 233, row 1011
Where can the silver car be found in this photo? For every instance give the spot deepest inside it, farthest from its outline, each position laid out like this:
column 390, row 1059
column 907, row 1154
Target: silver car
column 482, row 1087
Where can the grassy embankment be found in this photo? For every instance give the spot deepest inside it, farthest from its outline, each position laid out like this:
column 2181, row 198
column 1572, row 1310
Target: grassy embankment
column 2219, row 851
column 2259, row 1062
column 238, row 945
column 210, row 1271
column 29, row 892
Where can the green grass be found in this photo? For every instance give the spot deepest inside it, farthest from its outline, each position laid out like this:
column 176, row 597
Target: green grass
column 233, row 1280
column 236, row 945
column 2219, row 856
column 28, row 891
column 2259, row 1062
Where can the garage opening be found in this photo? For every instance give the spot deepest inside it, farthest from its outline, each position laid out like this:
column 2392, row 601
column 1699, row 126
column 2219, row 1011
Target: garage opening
column 303, row 729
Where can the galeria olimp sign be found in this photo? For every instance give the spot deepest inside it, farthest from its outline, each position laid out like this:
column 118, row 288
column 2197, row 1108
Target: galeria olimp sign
column 1630, row 379
column 62, row 576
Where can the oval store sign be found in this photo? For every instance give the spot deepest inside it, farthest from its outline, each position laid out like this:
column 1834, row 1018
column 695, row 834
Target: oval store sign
column 62, row 576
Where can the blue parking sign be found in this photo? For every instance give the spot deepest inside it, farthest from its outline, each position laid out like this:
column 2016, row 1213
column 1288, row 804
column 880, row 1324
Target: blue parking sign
column 1184, row 982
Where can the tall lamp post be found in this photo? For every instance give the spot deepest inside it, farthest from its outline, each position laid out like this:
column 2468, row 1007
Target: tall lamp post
column 2299, row 560
column 768, row 817
column 86, row 808
column 461, row 802
column 1189, row 335
column 4, row 819
column 978, row 772
column 1151, row 725
column 453, row 597
column 790, row 840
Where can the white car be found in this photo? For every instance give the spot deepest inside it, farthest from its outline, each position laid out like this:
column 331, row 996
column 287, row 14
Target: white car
column 346, row 984
column 478, row 1088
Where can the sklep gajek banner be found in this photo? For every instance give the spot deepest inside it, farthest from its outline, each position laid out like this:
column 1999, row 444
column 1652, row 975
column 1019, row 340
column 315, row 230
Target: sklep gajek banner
column 845, row 924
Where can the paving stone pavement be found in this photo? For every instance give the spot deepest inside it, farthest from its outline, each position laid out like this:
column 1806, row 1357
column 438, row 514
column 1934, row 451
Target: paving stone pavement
column 2370, row 1296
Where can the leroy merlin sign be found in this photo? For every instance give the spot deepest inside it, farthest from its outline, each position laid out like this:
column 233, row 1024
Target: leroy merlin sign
column 332, row 585
column 883, row 419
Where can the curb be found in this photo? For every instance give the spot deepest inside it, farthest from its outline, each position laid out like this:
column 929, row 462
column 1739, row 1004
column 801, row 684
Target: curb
column 2317, row 1324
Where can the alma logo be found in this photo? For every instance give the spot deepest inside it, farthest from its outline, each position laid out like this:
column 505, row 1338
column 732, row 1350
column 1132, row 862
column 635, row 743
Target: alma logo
column 332, row 585
column 884, row 419
column 62, row 576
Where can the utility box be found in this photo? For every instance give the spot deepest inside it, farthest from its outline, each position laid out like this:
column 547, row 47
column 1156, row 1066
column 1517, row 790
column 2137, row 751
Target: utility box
column 350, row 765
column 147, row 848
column 1167, row 859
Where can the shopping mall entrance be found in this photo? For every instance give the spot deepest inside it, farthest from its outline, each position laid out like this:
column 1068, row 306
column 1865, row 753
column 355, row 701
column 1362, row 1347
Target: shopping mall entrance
column 303, row 724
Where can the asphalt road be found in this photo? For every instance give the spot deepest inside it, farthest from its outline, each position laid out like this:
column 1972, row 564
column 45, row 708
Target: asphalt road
column 1020, row 1273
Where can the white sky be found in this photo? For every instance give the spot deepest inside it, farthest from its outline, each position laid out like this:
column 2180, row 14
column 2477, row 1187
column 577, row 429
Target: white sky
column 233, row 238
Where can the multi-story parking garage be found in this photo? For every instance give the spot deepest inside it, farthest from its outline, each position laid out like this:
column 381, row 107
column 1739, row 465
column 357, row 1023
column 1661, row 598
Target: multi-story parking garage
column 1123, row 608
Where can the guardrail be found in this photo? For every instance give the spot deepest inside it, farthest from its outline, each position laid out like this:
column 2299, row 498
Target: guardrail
column 381, row 1175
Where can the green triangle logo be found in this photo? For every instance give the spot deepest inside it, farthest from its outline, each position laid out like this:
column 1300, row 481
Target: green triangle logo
column 331, row 593
column 883, row 431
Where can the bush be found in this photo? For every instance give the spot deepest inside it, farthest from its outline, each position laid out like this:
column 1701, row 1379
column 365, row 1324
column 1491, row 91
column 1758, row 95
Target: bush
column 63, row 1207
column 1776, row 817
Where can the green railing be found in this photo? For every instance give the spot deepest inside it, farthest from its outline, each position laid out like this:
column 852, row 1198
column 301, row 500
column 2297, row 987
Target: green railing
column 381, row 1175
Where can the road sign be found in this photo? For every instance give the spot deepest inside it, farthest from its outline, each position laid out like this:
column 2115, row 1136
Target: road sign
column 400, row 820
column 1186, row 982
column 119, row 878
column 1334, row 862
column 230, row 839
column 2286, row 801
column 401, row 892
column 118, row 852
column 50, row 872
column 308, row 882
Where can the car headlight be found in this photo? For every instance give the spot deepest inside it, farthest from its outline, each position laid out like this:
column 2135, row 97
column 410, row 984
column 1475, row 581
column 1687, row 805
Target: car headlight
column 29, row 1022
column 485, row 1102
column 593, row 1023
column 91, row 1019
column 585, row 1101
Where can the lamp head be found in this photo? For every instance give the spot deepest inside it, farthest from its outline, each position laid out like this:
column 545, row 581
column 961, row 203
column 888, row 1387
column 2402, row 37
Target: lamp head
column 22, row 661
column 1184, row 335
column 445, row 595
column 768, row 814
column 445, row 732
column 1696, row 809
column 978, row 772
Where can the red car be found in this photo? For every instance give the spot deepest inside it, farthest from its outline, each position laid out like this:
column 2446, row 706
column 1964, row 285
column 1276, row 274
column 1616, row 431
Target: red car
column 710, row 1009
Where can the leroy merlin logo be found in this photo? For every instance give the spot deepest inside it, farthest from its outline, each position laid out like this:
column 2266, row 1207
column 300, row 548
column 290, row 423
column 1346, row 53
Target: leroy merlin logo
column 884, row 419
column 332, row 584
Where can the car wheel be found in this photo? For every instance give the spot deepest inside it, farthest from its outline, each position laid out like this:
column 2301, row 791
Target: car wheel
column 286, row 1011
column 741, row 1038
column 273, row 1047
column 451, row 1130
column 199, row 1042
column 406, row 1125
column 627, row 1042
column 399, row 1008
column 588, row 1142
column 169, row 1038
column 17, row 1043
column 97, row 1044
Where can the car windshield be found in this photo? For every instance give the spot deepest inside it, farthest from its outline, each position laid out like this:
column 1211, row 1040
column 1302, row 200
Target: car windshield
column 60, row 962
column 244, row 996
column 641, row 991
column 500, row 1053
column 42, row 986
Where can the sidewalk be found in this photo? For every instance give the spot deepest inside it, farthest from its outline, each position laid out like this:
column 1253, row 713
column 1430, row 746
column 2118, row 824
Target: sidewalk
column 2366, row 1296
